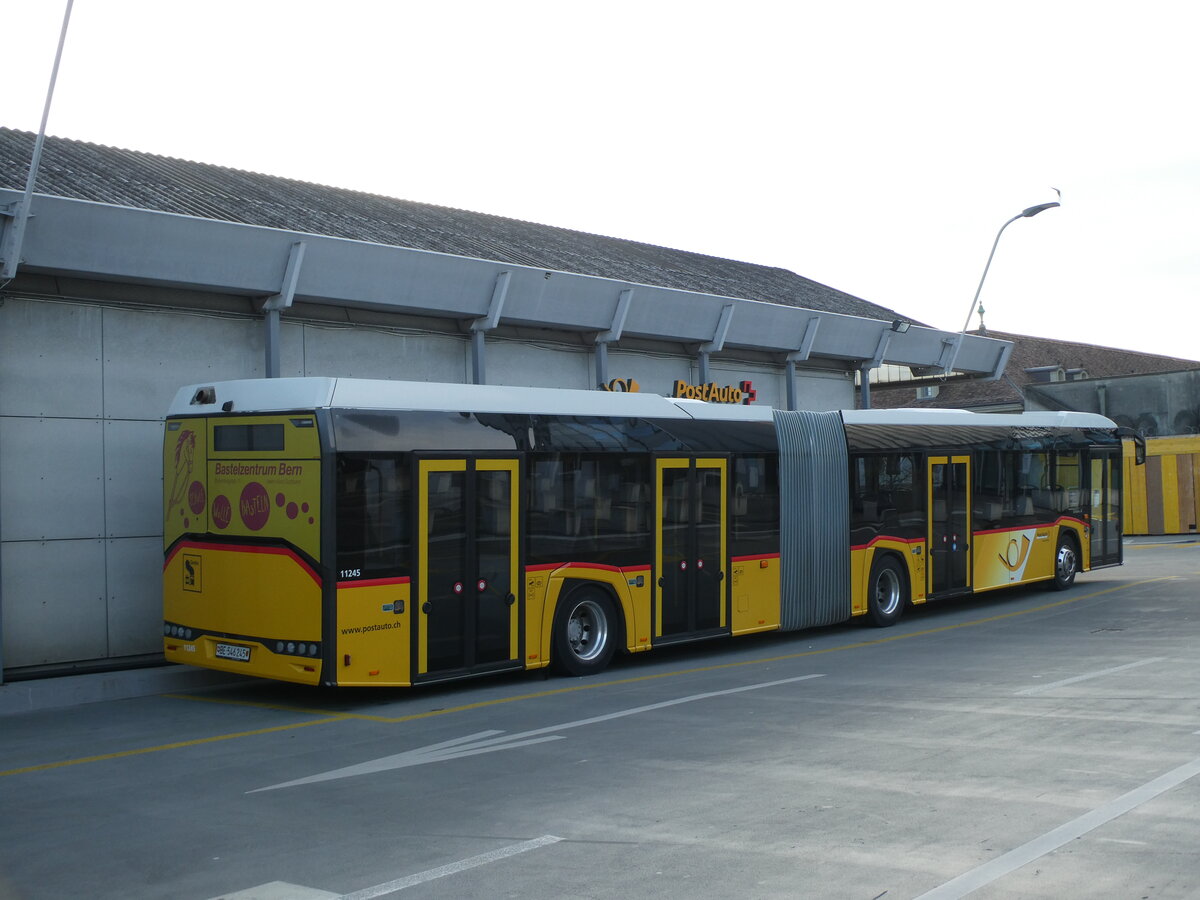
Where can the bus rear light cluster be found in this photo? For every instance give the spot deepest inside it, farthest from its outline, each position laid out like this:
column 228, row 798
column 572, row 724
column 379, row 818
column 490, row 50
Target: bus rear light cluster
column 177, row 631
column 297, row 649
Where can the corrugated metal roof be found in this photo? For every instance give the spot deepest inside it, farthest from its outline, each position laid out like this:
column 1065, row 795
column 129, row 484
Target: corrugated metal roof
column 111, row 175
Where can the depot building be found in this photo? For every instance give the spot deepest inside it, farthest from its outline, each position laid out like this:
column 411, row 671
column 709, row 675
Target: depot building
column 136, row 274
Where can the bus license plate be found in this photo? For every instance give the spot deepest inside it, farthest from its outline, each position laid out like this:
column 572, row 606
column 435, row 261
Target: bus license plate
column 233, row 651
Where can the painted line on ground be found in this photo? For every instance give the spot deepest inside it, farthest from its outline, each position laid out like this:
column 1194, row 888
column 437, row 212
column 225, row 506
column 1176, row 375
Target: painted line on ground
column 984, row 875
column 486, row 742
column 1042, row 688
column 1174, row 544
column 462, row 865
column 195, row 742
column 334, row 715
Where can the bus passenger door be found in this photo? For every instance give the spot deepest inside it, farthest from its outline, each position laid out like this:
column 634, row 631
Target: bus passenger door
column 467, row 566
column 1105, row 513
column 949, row 563
column 690, row 547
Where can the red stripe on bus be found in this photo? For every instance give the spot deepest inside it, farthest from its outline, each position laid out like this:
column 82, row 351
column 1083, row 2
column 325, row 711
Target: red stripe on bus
column 756, row 556
column 372, row 582
column 546, row 567
column 1060, row 520
column 886, row 537
column 243, row 548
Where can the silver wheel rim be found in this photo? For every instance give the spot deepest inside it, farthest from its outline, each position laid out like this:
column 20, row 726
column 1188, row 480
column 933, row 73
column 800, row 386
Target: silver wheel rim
column 887, row 591
column 1066, row 562
column 587, row 630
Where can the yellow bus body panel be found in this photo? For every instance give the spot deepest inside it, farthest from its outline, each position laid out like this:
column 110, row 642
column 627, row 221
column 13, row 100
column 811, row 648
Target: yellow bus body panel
column 215, row 588
column 543, row 590
column 754, row 582
column 373, row 640
column 1024, row 555
column 912, row 556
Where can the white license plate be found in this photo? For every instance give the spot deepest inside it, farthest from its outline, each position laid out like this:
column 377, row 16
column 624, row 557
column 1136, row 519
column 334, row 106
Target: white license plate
column 233, row 651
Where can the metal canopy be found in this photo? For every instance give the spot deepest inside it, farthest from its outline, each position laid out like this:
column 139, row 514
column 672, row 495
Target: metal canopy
column 82, row 239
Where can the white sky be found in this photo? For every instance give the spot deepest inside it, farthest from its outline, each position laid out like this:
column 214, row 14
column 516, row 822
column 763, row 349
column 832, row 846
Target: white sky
column 876, row 147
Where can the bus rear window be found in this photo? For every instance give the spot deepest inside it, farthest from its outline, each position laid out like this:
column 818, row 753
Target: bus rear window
column 243, row 438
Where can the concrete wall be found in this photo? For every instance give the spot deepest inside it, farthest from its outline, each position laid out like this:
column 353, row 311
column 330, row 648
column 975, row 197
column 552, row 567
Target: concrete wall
column 1156, row 405
column 83, row 388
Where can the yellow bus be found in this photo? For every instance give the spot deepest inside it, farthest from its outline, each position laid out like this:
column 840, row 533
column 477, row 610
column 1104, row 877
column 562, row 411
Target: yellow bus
column 350, row 532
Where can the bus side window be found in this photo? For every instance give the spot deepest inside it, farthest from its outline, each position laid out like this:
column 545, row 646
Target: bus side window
column 1034, row 491
column 754, row 511
column 373, row 505
column 1068, row 482
column 588, row 507
column 988, row 503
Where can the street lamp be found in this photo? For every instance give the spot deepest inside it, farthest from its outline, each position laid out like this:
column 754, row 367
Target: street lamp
column 1023, row 214
column 15, row 236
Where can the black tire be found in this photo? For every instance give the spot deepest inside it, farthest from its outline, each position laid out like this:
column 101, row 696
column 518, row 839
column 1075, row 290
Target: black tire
column 585, row 633
column 887, row 592
column 1066, row 563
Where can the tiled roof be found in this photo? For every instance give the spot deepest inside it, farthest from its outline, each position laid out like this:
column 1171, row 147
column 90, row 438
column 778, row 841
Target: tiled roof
column 80, row 170
column 1028, row 353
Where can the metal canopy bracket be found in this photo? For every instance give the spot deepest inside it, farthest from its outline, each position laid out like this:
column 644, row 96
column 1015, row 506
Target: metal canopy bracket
column 885, row 338
column 281, row 301
column 604, row 338
column 800, row 354
column 1001, row 363
column 950, row 348
column 485, row 324
column 806, row 343
column 717, row 344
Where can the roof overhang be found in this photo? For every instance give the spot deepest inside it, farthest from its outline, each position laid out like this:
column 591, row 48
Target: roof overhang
column 97, row 241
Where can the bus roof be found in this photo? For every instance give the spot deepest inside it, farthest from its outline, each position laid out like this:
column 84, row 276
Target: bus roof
column 288, row 394
column 292, row 394
column 962, row 417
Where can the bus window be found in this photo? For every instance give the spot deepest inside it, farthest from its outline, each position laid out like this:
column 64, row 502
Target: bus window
column 374, row 495
column 1033, row 500
column 1068, row 483
column 887, row 497
column 754, row 514
column 589, row 507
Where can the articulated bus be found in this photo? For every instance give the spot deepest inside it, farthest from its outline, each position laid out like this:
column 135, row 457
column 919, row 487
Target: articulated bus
column 349, row 532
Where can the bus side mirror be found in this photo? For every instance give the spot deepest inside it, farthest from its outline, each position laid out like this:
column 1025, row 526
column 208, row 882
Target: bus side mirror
column 1139, row 444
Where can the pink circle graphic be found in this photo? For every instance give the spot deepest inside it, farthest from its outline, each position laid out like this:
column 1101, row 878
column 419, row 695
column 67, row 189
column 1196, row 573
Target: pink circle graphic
column 280, row 499
column 292, row 510
column 197, row 497
column 254, row 506
column 304, row 507
column 222, row 511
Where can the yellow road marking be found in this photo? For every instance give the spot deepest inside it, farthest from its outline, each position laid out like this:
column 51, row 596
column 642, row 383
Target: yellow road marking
column 329, row 716
column 179, row 744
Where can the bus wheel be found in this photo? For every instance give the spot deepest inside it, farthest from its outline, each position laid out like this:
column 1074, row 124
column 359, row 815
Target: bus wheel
column 584, row 633
column 1066, row 564
column 886, row 592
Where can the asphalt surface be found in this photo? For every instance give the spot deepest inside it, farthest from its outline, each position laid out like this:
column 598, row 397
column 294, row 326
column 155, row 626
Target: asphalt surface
column 1020, row 744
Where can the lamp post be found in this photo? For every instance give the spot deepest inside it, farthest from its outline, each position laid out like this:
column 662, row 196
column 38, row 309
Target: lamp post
column 1023, row 214
column 15, row 237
